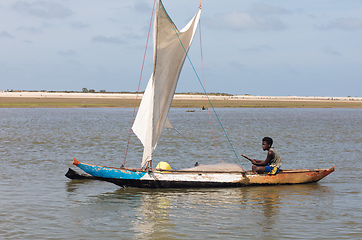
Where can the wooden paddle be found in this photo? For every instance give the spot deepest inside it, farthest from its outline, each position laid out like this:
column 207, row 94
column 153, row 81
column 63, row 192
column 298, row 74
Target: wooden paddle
column 246, row 157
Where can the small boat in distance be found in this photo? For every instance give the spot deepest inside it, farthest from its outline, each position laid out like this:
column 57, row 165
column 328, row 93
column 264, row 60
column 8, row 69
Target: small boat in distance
column 170, row 51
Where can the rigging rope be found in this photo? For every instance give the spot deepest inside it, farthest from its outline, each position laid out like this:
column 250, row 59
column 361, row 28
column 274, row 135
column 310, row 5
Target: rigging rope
column 139, row 84
column 193, row 144
column 203, row 77
column 192, row 65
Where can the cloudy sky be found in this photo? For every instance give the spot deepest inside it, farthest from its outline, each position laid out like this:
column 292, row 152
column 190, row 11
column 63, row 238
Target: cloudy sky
column 277, row 48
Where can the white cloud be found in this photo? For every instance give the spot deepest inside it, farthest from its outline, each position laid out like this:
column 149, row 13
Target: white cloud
column 79, row 25
column 32, row 30
column 112, row 40
column 265, row 9
column 43, row 9
column 331, row 51
column 48, row 25
column 236, row 65
column 343, row 24
column 67, row 53
column 5, row 34
column 246, row 21
column 142, row 7
column 258, row 48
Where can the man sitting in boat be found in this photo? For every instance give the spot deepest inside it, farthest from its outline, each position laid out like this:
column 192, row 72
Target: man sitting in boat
column 272, row 162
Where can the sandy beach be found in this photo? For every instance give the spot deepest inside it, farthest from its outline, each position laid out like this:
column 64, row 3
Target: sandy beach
column 76, row 100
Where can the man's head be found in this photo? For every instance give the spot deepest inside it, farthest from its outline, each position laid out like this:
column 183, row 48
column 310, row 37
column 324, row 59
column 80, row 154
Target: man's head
column 267, row 142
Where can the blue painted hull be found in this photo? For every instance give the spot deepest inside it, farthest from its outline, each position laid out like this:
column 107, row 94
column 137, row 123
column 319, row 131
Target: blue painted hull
column 111, row 173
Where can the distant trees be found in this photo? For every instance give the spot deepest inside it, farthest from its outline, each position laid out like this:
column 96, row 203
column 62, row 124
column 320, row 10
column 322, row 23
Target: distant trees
column 86, row 90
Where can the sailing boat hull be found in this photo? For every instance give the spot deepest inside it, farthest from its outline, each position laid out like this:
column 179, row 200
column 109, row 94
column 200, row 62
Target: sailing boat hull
column 199, row 179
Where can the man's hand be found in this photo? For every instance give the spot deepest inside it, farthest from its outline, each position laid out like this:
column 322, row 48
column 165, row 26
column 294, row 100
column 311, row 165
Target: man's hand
column 251, row 160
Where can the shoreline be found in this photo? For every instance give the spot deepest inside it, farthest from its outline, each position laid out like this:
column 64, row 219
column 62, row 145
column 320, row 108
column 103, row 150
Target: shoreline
column 79, row 100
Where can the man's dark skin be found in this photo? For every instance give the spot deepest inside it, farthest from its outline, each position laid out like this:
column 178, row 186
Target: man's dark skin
column 259, row 165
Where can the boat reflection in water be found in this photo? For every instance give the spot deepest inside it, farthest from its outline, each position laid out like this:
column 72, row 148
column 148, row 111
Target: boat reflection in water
column 175, row 213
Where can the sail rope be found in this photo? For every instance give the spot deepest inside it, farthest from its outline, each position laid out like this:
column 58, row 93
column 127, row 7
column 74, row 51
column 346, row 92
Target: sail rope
column 193, row 144
column 203, row 77
column 208, row 98
column 139, row 84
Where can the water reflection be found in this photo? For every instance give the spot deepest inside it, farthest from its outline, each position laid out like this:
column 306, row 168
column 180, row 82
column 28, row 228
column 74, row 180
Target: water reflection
column 265, row 202
column 73, row 185
column 154, row 217
column 174, row 213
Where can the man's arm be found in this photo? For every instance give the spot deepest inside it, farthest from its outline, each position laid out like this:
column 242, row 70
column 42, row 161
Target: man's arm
column 265, row 162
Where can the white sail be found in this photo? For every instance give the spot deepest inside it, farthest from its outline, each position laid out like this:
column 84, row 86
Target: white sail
column 169, row 57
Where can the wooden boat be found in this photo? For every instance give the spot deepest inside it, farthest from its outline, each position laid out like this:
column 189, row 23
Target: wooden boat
column 170, row 51
column 205, row 176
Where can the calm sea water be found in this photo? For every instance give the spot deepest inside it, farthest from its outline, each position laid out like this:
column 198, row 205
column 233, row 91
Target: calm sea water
column 38, row 202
